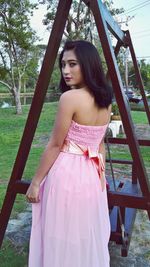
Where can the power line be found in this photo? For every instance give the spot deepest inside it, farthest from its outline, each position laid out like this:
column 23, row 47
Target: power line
column 141, row 57
column 140, row 32
column 144, row 57
column 137, row 8
column 141, row 36
column 133, row 7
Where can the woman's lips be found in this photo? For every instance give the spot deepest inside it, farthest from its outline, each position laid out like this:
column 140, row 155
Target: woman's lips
column 67, row 78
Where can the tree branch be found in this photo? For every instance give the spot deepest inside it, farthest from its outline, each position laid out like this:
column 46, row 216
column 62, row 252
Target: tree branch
column 7, row 85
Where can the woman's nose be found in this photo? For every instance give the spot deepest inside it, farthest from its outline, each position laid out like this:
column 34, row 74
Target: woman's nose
column 66, row 69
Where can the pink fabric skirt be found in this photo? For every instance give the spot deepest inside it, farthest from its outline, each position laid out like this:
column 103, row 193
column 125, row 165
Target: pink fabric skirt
column 70, row 224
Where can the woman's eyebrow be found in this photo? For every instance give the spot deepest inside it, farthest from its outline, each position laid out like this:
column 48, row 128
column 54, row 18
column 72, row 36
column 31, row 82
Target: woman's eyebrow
column 69, row 60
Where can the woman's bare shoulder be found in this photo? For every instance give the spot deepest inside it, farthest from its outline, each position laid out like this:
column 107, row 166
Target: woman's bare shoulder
column 66, row 96
column 73, row 95
column 69, row 93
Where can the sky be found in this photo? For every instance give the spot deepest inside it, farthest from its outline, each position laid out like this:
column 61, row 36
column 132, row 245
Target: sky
column 139, row 25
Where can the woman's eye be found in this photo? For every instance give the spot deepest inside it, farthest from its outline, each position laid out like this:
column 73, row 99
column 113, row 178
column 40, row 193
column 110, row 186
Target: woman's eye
column 63, row 65
column 72, row 64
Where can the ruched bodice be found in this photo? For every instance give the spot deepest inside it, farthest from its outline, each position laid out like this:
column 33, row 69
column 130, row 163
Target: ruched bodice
column 86, row 135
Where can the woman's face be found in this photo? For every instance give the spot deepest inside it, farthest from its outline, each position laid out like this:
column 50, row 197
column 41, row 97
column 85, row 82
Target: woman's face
column 71, row 70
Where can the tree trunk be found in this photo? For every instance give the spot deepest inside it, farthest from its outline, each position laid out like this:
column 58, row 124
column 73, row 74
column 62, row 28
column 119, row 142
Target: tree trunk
column 18, row 103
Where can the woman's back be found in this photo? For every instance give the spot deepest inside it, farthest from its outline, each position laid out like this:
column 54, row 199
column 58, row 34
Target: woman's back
column 87, row 112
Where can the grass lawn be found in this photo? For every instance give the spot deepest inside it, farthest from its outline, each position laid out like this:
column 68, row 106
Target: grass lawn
column 139, row 117
column 11, row 129
column 13, row 257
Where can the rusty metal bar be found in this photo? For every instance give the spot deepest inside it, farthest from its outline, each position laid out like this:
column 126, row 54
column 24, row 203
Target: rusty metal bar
column 35, row 110
column 120, row 161
column 117, row 48
column 134, row 174
column 111, row 23
column 124, row 141
column 138, row 75
column 116, row 51
column 97, row 8
column 128, row 200
column 123, row 199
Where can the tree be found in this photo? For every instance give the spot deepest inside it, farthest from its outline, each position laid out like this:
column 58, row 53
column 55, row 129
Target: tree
column 145, row 73
column 80, row 22
column 16, row 45
column 30, row 76
column 144, row 67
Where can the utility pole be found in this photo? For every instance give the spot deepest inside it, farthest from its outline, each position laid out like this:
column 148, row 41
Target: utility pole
column 126, row 68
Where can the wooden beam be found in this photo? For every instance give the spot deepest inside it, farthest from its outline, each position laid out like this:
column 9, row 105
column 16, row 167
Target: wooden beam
column 111, row 23
column 96, row 6
column 127, row 197
column 130, row 215
column 124, row 141
column 128, row 200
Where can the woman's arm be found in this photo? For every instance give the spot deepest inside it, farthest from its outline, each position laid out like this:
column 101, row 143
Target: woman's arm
column 66, row 109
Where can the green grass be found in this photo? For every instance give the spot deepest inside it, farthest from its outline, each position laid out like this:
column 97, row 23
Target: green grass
column 11, row 256
column 12, row 127
column 11, row 130
column 139, row 117
column 124, row 154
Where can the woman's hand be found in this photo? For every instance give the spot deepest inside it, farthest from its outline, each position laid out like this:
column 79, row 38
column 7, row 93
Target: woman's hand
column 32, row 194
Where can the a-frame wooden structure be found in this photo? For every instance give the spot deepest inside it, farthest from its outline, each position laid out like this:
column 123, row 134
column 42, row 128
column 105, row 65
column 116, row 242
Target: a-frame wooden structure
column 132, row 195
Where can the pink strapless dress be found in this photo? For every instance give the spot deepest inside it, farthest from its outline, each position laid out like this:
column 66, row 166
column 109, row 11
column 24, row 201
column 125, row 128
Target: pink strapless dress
column 70, row 224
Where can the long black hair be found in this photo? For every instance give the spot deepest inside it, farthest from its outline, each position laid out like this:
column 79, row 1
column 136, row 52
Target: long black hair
column 91, row 69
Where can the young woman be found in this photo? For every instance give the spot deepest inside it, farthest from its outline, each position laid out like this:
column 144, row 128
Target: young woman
column 70, row 219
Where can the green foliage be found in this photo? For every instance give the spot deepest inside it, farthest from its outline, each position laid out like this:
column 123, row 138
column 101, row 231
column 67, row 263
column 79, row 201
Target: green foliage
column 16, row 44
column 31, row 73
column 115, row 108
column 114, row 11
column 80, row 23
column 145, row 73
column 3, row 72
column 3, row 89
column 55, row 78
column 143, row 66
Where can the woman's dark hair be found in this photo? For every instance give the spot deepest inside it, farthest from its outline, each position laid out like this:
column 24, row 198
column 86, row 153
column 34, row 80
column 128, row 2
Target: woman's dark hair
column 91, row 69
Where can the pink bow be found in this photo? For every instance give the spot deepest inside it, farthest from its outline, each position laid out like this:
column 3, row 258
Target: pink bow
column 71, row 147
